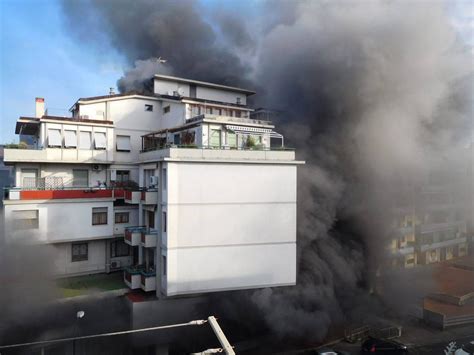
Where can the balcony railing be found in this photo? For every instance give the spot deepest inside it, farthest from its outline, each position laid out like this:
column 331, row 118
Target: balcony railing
column 132, row 276
column 258, row 147
column 149, row 238
column 148, row 280
column 132, row 235
column 64, row 193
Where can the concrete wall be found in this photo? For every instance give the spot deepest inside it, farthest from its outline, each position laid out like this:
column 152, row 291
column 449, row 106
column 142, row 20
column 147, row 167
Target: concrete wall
column 95, row 263
column 220, row 95
column 165, row 87
column 230, row 226
column 61, row 221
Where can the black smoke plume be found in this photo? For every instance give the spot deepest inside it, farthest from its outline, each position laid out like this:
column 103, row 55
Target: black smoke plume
column 374, row 93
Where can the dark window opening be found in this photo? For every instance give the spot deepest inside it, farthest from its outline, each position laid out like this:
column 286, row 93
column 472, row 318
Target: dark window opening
column 119, row 248
column 166, row 109
column 121, row 217
column 149, row 108
column 79, row 252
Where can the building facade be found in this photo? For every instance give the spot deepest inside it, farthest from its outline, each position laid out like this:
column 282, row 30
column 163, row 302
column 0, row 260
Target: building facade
column 182, row 188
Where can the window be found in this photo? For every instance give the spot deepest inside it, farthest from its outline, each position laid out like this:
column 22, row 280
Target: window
column 29, row 178
column 192, row 90
column 238, row 114
column 215, row 138
column 239, row 101
column 164, row 222
column 121, row 217
column 165, row 179
column 80, row 178
column 79, row 252
column 25, row 219
column 163, row 265
column 119, row 248
column 231, row 139
column 218, row 111
column 99, row 215
column 84, row 140
column 123, row 144
column 122, row 176
column 54, row 138
column 100, row 141
column 209, row 110
column 166, row 109
column 70, row 139
column 176, row 139
column 149, row 108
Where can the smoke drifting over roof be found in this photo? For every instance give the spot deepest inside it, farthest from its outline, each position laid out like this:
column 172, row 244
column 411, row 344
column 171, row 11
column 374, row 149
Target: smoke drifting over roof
column 374, row 93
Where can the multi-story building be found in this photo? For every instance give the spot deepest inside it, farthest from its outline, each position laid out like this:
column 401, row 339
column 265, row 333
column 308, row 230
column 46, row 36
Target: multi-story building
column 431, row 221
column 182, row 187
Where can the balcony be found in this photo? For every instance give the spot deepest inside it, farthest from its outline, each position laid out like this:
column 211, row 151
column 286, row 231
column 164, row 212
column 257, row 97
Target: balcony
column 149, row 197
column 132, row 277
column 132, row 197
column 56, row 155
column 149, row 238
column 148, row 280
column 58, row 194
column 133, row 235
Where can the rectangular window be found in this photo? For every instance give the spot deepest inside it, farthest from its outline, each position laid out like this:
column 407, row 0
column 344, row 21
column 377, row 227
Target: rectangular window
column 239, row 101
column 80, row 178
column 100, row 141
column 163, row 265
column 165, row 179
column 119, row 248
column 79, row 252
column 29, row 178
column 99, row 215
column 176, row 139
column 166, row 109
column 192, row 90
column 54, row 138
column 231, row 139
column 26, row 219
column 215, row 138
column 218, row 111
column 121, row 217
column 164, row 222
column 238, row 114
column 209, row 110
column 122, row 176
column 123, row 144
column 70, row 139
column 84, row 140
column 149, row 108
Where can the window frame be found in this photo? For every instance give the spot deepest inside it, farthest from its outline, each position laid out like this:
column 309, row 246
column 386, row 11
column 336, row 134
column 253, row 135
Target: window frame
column 19, row 223
column 148, row 108
column 100, row 222
column 167, row 109
column 129, row 143
column 79, row 257
column 114, row 249
column 73, row 179
column 121, row 219
column 165, row 223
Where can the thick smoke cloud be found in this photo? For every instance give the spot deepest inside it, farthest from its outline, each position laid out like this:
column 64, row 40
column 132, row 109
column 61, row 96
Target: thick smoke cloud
column 373, row 93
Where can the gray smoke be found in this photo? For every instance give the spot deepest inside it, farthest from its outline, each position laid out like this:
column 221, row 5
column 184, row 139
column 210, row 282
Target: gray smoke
column 373, row 93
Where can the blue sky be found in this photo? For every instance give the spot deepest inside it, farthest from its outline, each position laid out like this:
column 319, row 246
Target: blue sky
column 38, row 57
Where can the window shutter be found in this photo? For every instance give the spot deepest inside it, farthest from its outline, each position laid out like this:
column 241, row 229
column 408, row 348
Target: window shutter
column 123, row 143
column 84, row 140
column 100, row 141
column 54, row 137
column 70, row 139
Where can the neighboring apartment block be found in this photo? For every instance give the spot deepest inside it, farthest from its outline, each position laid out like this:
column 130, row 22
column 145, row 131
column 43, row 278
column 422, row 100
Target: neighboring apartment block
column 432, row 220
column 182, row 188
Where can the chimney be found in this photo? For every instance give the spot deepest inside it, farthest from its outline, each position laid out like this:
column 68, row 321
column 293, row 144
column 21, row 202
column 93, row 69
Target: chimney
column 111, row 91
column 39, row 107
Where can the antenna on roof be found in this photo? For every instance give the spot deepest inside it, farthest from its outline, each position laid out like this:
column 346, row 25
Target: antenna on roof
column 111, row 91
column 161, row 60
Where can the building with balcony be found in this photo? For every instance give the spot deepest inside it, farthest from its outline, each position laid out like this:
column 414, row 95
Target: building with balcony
column 431, row 221
column 185, row 188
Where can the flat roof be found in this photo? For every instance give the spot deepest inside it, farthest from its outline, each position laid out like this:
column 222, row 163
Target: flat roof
column 204, row 83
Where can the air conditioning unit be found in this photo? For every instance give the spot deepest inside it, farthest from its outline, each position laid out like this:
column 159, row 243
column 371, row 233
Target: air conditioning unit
column 154, row 180
column 115, row 265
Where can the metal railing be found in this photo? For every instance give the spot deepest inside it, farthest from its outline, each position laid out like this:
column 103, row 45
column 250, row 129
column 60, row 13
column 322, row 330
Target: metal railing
column 257, row 147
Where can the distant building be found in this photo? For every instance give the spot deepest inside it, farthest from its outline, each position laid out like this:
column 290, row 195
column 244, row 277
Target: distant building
column 431, row 220
column 180, row 188
column 5, row 174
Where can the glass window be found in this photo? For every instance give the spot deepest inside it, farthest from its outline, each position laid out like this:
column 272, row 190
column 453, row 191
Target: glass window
column 164, row 222
column 84, row 140
column 165, row 179
column 79, row 252
column 163, row 265
column 121, row 217
column 80, row 178
column 122, row 176
column 149, row 108
column 231, row 139
column 166, row 109
column 25, row 219
column 99, row 215
column 119, row 248
column 215, row 139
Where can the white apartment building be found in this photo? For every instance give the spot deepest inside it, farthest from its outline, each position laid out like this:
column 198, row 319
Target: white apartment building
column 181, row 188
